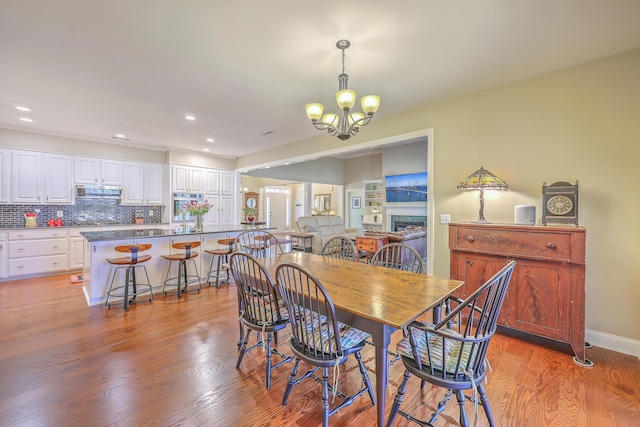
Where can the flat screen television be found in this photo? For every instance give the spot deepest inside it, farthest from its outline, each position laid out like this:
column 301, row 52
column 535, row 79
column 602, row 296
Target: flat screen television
column 407, row 188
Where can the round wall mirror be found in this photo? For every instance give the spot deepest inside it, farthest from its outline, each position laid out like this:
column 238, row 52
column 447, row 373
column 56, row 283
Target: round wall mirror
column 251, row 202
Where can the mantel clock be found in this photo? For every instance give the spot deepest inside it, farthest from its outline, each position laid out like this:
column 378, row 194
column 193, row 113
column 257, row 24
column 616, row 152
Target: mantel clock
column 560, row 203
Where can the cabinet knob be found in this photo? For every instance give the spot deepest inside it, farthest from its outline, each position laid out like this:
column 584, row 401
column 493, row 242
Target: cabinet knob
column 471, row 239
column 551, row 245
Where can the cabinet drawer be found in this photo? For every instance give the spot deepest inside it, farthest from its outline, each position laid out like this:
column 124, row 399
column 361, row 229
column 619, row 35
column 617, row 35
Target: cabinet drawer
column 37, row 234
column 18, row 267
column 544, row 245
column 34, row 248
column 367, row 246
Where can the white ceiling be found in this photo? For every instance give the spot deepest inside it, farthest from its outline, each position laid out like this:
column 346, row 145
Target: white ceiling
column 91, row 69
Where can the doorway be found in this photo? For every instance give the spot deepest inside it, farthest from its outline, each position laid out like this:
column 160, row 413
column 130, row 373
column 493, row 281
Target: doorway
column 355, row 208
column 276, row 213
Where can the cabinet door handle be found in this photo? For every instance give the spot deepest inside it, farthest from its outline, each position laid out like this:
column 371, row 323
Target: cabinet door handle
column 551, row 245
column 470, row 239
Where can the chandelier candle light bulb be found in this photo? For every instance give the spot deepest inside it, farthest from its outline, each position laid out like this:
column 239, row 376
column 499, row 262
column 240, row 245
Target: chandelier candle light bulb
column 344, row 124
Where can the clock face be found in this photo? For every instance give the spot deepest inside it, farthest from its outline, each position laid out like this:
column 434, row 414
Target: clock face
column 559, row 205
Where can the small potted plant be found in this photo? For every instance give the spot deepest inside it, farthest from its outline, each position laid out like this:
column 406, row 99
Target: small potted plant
column 251, row 213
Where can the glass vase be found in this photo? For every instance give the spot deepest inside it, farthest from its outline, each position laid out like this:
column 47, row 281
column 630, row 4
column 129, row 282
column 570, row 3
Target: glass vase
column 199, row 224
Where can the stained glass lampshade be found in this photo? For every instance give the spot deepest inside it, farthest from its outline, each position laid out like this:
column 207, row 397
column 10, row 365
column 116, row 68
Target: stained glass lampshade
column 482, row 180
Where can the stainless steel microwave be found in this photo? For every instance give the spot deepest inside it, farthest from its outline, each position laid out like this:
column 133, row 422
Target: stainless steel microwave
column 98, row 192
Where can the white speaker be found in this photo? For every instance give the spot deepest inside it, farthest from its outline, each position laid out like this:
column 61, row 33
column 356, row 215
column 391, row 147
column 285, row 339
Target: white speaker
column 525, row 215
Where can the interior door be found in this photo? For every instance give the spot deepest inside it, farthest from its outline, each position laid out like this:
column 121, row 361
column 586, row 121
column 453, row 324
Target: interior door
column 355, row 208
column 276, row 205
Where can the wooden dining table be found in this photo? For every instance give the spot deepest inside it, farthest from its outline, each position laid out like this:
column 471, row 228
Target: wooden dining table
column 377, row 300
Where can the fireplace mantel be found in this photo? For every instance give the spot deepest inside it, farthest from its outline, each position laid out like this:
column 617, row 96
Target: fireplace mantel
column 408, row 210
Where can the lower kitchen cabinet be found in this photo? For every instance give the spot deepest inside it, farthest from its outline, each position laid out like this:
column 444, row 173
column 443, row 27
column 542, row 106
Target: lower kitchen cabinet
column 37, row 251
column 546, row 293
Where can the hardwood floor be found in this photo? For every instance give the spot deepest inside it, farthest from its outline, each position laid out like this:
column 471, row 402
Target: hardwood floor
column 172, row 362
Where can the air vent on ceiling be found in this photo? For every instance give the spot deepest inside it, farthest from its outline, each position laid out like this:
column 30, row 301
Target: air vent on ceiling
column 269, row 132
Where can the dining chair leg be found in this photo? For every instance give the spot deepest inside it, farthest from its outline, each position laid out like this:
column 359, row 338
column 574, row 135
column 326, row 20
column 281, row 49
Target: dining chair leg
column 485, row 403
column 464, row 422
column 268, row 361
column 398, row 399
column 365, row 377
column 243, row 349
column 291, row 381
column 325, row 397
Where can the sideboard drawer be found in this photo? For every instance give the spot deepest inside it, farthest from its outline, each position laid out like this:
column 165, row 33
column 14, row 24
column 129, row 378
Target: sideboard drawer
column 544, row 245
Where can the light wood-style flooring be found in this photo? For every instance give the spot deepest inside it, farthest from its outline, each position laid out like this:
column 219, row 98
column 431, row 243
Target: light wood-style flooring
column 172, row 363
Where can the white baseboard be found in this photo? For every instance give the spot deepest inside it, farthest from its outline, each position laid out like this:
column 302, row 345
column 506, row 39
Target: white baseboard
column 613, row 342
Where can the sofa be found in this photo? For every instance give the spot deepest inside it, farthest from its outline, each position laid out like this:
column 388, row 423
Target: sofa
column 323, row 228
column 416, row 237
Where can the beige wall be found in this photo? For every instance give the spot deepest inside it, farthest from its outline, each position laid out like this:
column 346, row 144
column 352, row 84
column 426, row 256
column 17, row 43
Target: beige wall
column 579, row 123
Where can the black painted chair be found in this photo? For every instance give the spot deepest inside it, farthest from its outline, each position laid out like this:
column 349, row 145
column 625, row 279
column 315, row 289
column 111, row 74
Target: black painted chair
column 452, row 354
column 260, row 308
column 317, row 338
column 259, row 243
column 399, row 256
column 340, row 247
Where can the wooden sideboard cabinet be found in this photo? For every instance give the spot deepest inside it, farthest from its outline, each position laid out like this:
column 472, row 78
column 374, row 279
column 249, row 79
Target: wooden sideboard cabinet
column 546, row 293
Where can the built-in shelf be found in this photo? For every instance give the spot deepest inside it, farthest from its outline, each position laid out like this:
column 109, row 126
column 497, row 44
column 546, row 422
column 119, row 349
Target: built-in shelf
column 373, row 205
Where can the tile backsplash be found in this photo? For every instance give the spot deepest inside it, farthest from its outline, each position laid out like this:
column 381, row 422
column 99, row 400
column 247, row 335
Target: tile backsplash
column 84, row 211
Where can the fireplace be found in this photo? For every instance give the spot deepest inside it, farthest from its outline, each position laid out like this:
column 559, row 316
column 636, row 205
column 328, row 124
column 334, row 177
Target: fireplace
column 400, row 222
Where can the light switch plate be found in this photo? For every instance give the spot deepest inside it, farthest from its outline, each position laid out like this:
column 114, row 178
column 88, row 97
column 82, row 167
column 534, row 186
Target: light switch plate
column 445, row 218
column 59, row 214
column 150, row 213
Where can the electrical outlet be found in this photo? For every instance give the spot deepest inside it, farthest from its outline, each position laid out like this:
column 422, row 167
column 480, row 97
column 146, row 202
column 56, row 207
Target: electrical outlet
column 445, row 218
column 59, row 214
column 150, row 213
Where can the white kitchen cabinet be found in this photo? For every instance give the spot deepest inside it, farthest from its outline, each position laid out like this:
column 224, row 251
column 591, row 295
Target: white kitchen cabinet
column 212, row 181
column 76, row 253
column 187, row 179
column 26, row 172
column 89, row 170
column 41, row 178
column 226, row 183
column 5, row 175
column 226, row 210
column 213, row 216
column 3, row 255
column 133, row 187
column 143, row 184
column 154, row 184
column 57, row 179
column 34, row 252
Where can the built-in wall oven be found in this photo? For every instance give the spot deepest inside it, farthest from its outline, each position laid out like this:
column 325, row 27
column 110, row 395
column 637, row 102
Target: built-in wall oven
column 181, row 199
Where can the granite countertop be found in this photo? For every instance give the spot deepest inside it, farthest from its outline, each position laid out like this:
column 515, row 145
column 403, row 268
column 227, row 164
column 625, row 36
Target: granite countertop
column 22, row 227
column 94, row 236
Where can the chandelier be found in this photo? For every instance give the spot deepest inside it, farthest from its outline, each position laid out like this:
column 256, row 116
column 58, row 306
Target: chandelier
column 344, row 123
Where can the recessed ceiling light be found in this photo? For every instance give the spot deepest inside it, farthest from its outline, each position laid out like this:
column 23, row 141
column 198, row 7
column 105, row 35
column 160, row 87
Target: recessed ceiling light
column 25, row 119
column 205, row 149
column 210, row 139
column 287, row 163
column 23, row 108
column 119, row 135
column 189, row 117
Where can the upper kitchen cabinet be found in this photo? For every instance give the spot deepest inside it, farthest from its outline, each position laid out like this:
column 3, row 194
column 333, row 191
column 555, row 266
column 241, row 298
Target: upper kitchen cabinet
column 5, row 175
column 89, row 170
column 226, row 182
column 212, row 181
column 57, row 181
column 41, row 178
column 143, row 184
column 187, row 179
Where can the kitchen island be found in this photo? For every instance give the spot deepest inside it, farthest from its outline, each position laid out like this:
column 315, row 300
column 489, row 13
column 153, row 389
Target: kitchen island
column 99, row 245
